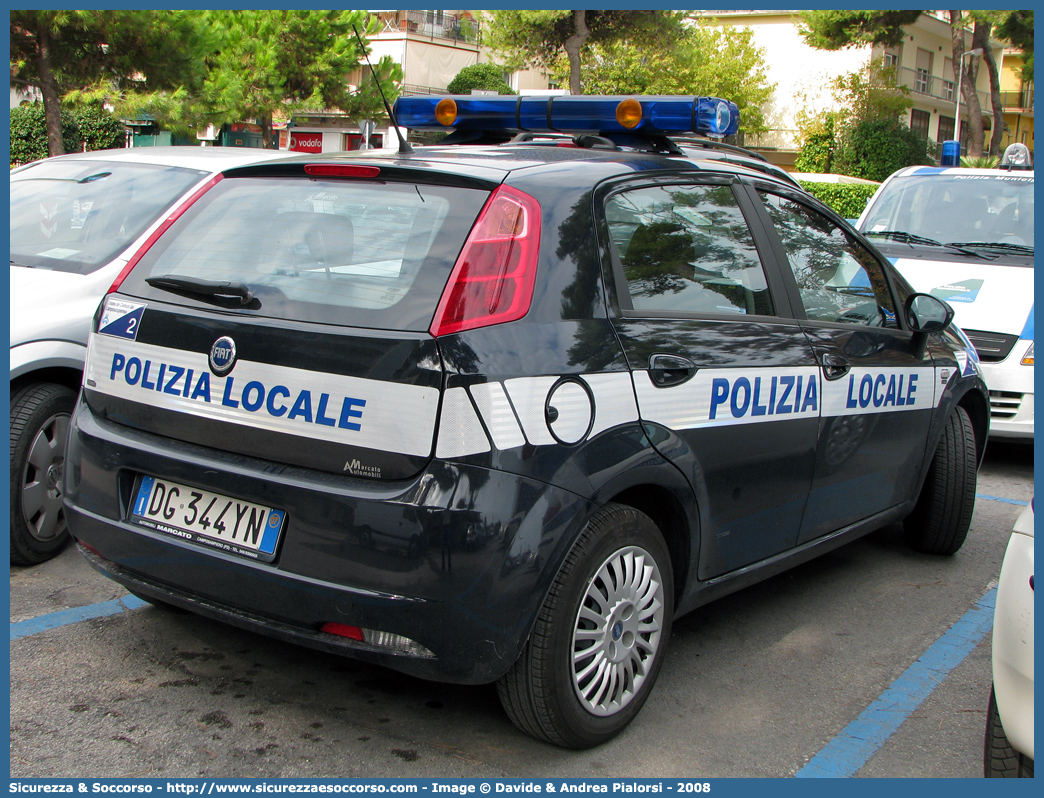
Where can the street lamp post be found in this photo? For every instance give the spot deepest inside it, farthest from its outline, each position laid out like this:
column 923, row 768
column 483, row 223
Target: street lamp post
column 960, row 77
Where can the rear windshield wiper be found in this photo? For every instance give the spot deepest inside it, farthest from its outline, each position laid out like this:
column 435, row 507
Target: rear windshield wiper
column 1021, row 248
column 208, row 289
column 909, row 238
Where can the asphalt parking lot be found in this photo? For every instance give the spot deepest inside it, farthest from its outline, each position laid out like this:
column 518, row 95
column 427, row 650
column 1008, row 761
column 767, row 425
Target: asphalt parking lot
column 756, row 684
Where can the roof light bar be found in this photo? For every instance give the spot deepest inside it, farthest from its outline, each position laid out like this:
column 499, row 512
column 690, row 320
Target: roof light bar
column 710, row 116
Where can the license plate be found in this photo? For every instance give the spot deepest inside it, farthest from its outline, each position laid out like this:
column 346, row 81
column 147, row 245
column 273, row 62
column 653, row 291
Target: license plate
column 211, row 519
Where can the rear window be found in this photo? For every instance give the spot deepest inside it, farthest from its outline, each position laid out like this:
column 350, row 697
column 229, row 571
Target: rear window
column 76, row 216
column 354, row 253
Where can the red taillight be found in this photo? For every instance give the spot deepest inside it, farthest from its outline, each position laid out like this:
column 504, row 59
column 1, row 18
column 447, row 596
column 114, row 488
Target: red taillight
column 343, row 630
column 160, row 231
column 492, row 280
column 340, row 170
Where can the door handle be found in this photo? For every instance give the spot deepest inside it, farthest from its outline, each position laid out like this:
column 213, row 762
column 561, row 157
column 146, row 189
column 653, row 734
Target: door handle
column 668, row 370
column 834, row 366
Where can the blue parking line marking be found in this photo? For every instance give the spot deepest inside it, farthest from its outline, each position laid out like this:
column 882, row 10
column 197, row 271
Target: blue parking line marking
column 1001, row 499
column 843, row 756
column 75, row 615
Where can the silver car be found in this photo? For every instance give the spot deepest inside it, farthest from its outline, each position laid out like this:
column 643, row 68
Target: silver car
column 76, row 221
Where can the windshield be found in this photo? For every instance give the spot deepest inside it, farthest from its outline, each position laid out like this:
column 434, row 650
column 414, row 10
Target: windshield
column 76, row 216
column 965, row 208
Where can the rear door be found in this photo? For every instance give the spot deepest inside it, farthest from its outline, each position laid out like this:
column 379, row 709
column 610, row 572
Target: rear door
column 726, row 382
column 285, row 317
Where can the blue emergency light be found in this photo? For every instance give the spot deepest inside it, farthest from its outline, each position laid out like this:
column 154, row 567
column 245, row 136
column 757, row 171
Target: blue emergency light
column 710, row 116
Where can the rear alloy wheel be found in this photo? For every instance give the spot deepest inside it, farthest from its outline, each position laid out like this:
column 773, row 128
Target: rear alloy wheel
column 939, row 523
column 40, row 416
column 599, row 640
column 1000, row 760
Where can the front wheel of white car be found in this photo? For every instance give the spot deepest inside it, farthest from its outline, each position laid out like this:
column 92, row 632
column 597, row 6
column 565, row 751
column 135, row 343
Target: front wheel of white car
column 1000, row 760
column 40, row 415
column 599, row 640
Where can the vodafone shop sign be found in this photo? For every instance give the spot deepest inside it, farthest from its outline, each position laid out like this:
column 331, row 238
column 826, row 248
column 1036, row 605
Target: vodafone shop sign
column 306, row 142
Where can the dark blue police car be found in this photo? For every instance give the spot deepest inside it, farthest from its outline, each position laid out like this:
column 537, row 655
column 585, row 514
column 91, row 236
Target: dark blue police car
column 500, row 409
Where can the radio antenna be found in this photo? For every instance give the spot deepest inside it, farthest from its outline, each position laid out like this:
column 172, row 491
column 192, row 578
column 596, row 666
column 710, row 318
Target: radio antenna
column 404, row 146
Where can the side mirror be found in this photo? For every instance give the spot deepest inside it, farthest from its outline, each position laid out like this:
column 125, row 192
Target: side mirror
column 927, row 314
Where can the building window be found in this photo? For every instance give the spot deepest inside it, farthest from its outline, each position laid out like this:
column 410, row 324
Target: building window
column 923, row 79
column 946, row 128
column 891, row 58
column 949, row 87
column 919, row 122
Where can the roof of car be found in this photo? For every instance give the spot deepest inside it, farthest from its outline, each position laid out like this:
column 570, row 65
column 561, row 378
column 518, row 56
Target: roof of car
column 951, row 171
column 493, row 161
column 206, row 158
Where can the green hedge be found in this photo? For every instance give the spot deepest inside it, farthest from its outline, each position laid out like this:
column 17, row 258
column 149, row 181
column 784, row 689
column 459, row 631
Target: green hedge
column 96, row 128
column 846, row 199
column 874, row 149
column 99, row 129
column 479, row 76
column 29, row 133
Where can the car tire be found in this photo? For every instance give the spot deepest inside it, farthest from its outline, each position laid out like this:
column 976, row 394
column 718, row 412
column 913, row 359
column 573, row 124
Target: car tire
column 40, row 415
column 1000, row 760
column 551, row 692
column 940, row 520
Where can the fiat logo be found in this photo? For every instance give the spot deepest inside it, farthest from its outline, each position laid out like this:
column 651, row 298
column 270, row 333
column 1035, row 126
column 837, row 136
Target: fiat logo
column 222, row 356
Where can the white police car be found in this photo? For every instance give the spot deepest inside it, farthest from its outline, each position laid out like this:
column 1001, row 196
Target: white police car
column 75, row 221
column 501, row 410
column 966, row 236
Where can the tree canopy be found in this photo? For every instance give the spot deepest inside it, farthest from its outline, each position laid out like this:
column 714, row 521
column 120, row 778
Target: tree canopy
column 833, row 30
column 188, row 69
column 703, row 59
column 542, row 38
column 63, row 50
column 866, row 137
column 488, row 77
column 284, row 61
column 1017, row 28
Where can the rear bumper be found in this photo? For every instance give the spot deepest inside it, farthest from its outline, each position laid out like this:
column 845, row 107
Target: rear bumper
column 457, row 559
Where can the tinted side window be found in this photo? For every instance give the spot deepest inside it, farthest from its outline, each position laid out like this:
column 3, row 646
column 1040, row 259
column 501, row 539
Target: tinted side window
column 838, row 279
column 687, row 249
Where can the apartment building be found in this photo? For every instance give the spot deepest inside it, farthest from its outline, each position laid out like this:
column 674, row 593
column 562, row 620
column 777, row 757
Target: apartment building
column 804, row 78
column 1017, row 100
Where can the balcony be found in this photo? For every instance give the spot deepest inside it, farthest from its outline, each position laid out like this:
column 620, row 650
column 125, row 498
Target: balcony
column 1017, row 100
column 412, row 88
column 920, row 81
column 460, row 28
